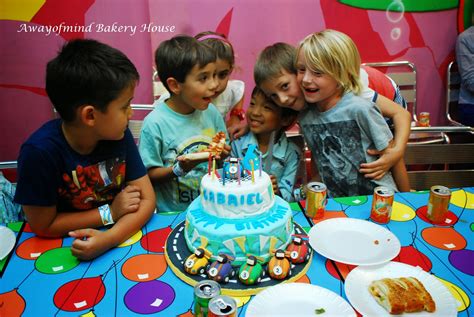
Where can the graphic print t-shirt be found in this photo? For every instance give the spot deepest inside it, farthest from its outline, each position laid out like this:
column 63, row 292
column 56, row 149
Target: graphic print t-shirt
column 50, row 172
column 339, row 139
column 166, row 135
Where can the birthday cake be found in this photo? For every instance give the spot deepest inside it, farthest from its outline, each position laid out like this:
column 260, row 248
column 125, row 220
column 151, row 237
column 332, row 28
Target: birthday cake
column 238, row 214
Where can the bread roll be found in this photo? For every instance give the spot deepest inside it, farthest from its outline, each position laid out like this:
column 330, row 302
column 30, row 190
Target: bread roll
column 402, row 295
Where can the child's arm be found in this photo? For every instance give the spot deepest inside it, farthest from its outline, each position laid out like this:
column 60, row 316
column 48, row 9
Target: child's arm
column 400, row 176
column 237, row 125
column 401, row 119
column 97, row 242
column 138, row 198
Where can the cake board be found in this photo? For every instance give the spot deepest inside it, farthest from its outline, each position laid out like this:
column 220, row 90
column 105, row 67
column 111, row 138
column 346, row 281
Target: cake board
column 176, row 252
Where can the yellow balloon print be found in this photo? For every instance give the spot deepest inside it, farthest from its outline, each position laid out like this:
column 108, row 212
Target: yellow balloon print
column 462, row 198
column 90, row 313
column 462, row 300
column 133, row 239
column 402, row 212
column 241, row 300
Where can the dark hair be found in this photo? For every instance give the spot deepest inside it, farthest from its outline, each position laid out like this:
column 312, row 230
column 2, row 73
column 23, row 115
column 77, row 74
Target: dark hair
column 273, row 60
column 87, row 72
column 284, row 112
column 177, row 56
column 219, row 43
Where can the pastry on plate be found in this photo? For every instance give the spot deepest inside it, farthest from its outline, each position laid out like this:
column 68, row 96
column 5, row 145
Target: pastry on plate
column 402, row 295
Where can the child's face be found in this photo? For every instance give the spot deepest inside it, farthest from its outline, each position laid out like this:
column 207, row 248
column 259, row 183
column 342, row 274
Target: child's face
column 223, row 70
column 284, row 91
column 317, row 87
column 263, row 116
column 199, row 87
column 112, row 124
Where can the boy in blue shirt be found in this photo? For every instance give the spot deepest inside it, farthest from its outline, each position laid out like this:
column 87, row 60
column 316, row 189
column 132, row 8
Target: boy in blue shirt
column 84, row 171
column 182, row 124
column 267, row 120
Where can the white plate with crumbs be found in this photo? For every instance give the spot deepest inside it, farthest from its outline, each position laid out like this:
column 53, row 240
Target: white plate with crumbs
column 358, row 280
column 354, row 241
column 298, row 299
column 7, row 241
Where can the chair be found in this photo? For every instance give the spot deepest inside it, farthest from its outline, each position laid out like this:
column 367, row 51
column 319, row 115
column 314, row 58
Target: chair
column 405, row 75
column 453, row 84
column 8, row 169
column 449, row 155
column 139, row 113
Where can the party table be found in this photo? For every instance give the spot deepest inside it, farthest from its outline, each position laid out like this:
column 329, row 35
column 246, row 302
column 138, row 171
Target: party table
column 42, row 278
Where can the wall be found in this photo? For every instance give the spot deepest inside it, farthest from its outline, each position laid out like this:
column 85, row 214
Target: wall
column 423, row 33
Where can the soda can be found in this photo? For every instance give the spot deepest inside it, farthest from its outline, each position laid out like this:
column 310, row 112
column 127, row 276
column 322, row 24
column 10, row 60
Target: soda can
column 222, row 306
column 204, row 291
column 424, row 120
column 316, row 199
column 382, row 204
column 438, row 203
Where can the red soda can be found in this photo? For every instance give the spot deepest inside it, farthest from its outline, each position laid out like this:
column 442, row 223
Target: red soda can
column 424, row 120
column 382, row 204
column 204, row 291
column 316, row 199
column 222, row 306
column 438, row 203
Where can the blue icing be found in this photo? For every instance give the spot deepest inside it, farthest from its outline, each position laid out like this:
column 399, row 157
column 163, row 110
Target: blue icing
column 232, row 199
column 260, row 222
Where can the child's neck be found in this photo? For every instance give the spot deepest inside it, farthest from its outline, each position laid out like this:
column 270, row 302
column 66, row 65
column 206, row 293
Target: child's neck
column 78, row 138
column 178, row 105
column 330, row 102
column 263, row 140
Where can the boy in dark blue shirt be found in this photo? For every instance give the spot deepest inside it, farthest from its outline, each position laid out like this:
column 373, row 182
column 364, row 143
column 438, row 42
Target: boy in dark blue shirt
column 83, row 171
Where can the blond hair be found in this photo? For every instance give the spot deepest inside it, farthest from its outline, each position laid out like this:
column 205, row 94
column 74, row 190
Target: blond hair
column 334, row 53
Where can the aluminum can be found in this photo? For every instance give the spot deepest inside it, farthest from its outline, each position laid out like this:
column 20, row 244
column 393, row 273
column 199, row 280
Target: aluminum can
column 438, row 203
column 204, row 291
column 316, row 199
column 424, row 119
column 222, row 306
column 382, row 202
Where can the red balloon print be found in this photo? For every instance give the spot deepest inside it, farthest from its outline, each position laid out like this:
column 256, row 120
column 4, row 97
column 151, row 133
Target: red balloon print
column 32, row 248
column 412, row 256
column 450, row 219
column 155, row 241
column 80, row 294
column 11, row 304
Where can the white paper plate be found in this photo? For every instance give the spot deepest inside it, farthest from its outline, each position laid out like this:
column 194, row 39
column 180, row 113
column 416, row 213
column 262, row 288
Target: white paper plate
column 359, row 279
column 297, row 299
column 7, row 241
column 354, row 241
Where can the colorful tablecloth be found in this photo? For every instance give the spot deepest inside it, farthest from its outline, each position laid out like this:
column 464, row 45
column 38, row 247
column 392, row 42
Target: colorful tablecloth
column 42, row 278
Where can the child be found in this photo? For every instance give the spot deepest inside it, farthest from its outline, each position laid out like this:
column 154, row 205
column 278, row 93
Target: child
column 229, row 95
column 183, row 123
column 84, row 171
column 265, row 120
column 275, row 74
column 338, row 125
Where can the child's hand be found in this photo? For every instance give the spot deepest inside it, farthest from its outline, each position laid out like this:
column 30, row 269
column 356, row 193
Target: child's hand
column 225, row 152
column 187, row 163
column 127, row 201
column 377, row 169
column 89, row 243
column 237, row 130
column 274, row 180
